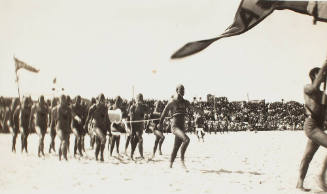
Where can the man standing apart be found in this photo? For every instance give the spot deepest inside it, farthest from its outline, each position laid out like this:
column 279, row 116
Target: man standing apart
column 178, row 107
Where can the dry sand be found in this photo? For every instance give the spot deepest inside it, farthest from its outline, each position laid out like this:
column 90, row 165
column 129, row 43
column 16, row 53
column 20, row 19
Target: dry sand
column 243, row 162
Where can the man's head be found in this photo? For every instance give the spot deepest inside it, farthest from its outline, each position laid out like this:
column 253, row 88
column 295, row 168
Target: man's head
column 313, row 73
column 68, row 99
column 63, row 100
column 41, row 99
column 93, row 101
column 118, row 100
column 158, row 106
column 101, row 99
column 180, row 89
column 27, row 101
column 16, row 102
column 78, row 99
column 139, row 98
column 54, row 102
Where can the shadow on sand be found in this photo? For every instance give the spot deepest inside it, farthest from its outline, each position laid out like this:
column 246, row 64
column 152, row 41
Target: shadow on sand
column 223, row 171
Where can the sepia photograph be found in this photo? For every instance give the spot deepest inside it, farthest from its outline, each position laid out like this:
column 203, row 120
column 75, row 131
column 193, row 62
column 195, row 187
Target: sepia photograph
column 163, row 96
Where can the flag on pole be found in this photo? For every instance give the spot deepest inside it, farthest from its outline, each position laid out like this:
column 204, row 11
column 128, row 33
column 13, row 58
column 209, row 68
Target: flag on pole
column 20, row 64
column 252, row 12
column 54, row 80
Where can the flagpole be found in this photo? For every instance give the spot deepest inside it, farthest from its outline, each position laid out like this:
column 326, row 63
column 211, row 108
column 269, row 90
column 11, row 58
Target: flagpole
column 18, row 88
column 133, row 88
column 17, row 81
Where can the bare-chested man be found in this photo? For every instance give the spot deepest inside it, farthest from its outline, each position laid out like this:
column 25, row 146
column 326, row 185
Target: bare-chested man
column 78, row 124
column 41, row 122
column 24, row 122
column 158, row 132
column 178, row 107
column 313, row 126
column 85, row 111
column 99, row 113
column 14, row 122
column 128, row 126
column 62, row 118
column 137, row 112
column 89, row 127
column 52, row 124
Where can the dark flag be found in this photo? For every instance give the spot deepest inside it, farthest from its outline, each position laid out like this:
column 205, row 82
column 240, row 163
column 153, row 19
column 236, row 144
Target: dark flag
column 54, row 80
column 252, row 12
column 20, row 64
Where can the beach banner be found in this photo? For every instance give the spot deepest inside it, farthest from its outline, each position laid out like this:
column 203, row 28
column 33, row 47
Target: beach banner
column 252, row 12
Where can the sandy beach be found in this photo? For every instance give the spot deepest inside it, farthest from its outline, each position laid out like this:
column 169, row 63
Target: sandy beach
column 242, row 162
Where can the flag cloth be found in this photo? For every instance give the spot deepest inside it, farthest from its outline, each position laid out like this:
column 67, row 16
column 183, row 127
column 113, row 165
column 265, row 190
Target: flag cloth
column 20, row 64
column 252, row 12
column 54, row 80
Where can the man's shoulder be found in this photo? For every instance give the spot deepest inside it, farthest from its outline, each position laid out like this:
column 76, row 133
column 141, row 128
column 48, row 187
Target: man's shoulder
column 93, row 106
column 132, row 107
column 186, row 101
column 309, row 89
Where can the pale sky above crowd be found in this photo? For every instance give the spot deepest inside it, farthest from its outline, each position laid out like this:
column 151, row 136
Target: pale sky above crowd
column 109, row 46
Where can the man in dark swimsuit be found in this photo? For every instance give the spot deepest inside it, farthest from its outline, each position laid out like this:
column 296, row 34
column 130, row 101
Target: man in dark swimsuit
column 137, row 112
column 128, row 126
column 52, row 124
column 24, row 121
column 62, row 118
column 78, row 124
column 315, row 109
column 99, row 113
column 89, row 127
column 85, row 111
column 14, row 122
column 69, row 102
column 158, row 132
column 178, row 107
column 41, row 109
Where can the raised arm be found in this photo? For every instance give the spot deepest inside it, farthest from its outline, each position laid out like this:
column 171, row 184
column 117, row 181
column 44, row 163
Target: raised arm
column 89, row 115
column 74, row 114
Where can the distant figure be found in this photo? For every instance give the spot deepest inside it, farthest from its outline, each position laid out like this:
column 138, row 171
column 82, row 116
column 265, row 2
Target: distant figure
column 116, row 127
column 89, row 127
column 63, row 118
column 24, row 122
column 41, row 110
column 137, row 112
column 52, row 124
column 314, row 124
column 78, row 113
column 14, row 122
column 99, row 114
column 199, row 123
column 158, row 132
column 128, row 127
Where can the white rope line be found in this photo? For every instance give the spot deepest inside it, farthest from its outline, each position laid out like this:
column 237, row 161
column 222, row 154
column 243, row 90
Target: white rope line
column 141, row 121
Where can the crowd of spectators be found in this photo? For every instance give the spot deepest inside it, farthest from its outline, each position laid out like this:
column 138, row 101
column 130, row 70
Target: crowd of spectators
column 219, row 114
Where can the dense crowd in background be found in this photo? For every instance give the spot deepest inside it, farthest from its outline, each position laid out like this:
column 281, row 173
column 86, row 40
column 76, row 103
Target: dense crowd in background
column 219, row 114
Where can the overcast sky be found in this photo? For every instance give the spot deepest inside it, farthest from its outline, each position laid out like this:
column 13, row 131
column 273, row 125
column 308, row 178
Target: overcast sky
column 108, row 46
